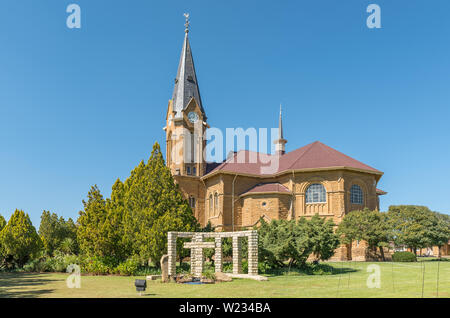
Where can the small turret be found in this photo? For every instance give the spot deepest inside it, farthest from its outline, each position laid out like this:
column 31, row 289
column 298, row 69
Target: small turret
column 280, row 143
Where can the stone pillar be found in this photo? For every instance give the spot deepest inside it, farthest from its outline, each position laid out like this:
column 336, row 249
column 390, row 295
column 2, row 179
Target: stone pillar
column 237, row 255
column 164, row 268
column 253, row 253
column 218, row 255
column 192, row 259
column 197, row 257
column 172, row 252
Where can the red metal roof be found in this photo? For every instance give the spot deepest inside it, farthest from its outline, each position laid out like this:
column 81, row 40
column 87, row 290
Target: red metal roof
column 381, row 192
column 313, row 156
column 267, row 187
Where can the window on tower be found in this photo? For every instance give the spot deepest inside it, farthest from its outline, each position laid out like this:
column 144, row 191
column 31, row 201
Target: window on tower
column 188, row 170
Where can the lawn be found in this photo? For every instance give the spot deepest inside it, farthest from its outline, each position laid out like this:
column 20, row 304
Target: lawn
column 397, row 280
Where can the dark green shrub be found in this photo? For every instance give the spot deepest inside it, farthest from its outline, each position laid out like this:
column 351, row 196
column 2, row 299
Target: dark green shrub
column 404, row 257
column 227, row 247
column 245, row 266
column 129, row 267
column 227, row 267
column 99, row 265
column 57, row 263
column 184, row 268
column 34, row 266
column 262, row 268
column 282, row 241
column 209, row 275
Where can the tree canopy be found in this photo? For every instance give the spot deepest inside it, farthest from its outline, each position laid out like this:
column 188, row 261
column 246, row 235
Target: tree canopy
column 19, row 240
column 323, row 239
column 53, row 231
column 137, row 217
column 440, row 230
column 411, row 225
column 90, row 225
column 153, row 206
column 366, row 225
column 2, row 222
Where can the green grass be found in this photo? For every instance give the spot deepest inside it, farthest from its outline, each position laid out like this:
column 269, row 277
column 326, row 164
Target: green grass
column 349, row 280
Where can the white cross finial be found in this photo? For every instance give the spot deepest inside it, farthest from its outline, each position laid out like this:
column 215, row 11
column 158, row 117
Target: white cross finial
column 186, row 15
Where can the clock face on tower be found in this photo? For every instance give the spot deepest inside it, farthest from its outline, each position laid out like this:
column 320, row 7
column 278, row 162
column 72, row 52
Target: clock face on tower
column 193, row 117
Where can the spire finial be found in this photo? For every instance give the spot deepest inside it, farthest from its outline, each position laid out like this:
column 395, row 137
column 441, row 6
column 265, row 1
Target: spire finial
column 186, row 15
column 280, row 126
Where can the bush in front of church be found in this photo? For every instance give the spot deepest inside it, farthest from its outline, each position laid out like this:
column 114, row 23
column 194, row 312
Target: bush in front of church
column 321, row 234
column 290, row 243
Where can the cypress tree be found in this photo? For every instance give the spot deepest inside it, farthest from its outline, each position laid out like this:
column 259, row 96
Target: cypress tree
column 90, row 223
column 137, row 217
column 51, row 231
column 154, row 205
column 2, row 222
column 19, row 240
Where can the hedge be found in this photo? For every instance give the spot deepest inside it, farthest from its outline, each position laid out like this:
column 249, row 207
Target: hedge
column 404, row 257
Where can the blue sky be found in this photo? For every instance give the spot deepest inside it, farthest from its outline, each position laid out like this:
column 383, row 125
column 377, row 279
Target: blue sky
column 83, row 107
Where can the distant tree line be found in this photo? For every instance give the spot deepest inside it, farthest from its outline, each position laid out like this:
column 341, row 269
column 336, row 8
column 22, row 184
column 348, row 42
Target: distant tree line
column 409, row 226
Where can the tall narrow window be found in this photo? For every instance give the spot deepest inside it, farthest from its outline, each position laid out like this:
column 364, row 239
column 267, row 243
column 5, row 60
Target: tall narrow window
column 188, row 169
column 192, row 202
column 210, row 204
column 356, row 194
column 316, row 193
column 216, row 203
column 194, row 171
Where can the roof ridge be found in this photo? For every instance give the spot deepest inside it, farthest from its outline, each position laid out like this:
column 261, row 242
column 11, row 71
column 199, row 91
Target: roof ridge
column 301, row 156
column 322, row 156
column 278, row 187
column 347, row 156
column 328, row 148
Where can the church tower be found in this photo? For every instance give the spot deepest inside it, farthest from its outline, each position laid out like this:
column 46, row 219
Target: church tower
column 185, row 130
column 186, row 119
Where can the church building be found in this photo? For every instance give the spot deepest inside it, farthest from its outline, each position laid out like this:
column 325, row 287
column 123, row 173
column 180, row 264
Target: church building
column 234, row 195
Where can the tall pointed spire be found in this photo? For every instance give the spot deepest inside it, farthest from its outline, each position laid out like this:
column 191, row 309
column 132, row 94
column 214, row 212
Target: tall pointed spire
column 186, row 84
column 280, row 143
column 280, row 126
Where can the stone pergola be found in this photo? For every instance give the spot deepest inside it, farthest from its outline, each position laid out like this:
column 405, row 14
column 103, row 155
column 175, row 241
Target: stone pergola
column 197, row 245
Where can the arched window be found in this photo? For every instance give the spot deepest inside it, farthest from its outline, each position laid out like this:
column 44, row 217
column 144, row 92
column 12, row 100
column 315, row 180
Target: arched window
column 316, row 193
column 356, row 194
column 210, row 204
column 216, row 203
